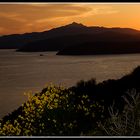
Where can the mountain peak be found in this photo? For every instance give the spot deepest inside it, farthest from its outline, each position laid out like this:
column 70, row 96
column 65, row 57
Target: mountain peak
column 76, row 24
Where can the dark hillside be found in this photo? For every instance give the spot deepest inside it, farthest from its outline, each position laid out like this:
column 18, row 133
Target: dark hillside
column 77, row 110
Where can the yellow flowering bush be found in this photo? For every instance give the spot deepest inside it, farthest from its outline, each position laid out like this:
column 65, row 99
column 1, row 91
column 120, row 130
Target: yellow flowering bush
column 53, row 111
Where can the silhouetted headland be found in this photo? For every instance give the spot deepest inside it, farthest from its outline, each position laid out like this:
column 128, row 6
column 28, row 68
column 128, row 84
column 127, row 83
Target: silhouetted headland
column 95, row 48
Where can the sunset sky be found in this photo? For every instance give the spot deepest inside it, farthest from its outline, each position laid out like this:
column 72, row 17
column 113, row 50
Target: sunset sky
column 21, row 18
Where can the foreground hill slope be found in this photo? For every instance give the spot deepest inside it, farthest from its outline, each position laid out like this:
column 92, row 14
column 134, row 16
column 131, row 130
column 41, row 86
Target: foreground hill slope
column 107, row 108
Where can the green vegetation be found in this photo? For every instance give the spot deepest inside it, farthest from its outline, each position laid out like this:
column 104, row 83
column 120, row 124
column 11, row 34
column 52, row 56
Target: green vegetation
column 107, row 108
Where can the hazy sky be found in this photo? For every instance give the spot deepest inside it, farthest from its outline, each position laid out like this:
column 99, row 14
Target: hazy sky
column 21, row 18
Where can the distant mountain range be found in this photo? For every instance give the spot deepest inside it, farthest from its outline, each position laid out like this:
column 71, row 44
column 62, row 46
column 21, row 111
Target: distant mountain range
column 75, row 38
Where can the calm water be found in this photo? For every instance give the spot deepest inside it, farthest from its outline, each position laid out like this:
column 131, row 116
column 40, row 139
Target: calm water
column 21, row 72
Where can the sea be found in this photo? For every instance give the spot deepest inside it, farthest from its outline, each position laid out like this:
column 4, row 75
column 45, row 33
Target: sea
column 22, row 72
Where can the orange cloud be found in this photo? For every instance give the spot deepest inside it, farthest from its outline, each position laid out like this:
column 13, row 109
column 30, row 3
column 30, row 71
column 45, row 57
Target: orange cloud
column 20, row 18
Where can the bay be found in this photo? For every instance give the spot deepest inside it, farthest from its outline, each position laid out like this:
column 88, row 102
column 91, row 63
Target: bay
column 22, row 72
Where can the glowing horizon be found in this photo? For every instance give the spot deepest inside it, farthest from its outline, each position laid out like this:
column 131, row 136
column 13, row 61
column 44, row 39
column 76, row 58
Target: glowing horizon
column 26, row 18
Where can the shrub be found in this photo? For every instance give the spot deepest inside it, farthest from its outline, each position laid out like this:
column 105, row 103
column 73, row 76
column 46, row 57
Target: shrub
column 128, row 122
column 54, row 111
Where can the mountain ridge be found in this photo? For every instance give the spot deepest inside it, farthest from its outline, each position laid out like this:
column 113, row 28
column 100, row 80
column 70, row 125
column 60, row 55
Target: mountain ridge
column 73, row 24
column 66, row 36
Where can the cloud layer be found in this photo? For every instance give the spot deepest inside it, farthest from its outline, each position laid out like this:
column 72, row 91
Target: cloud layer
column 20, row 18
